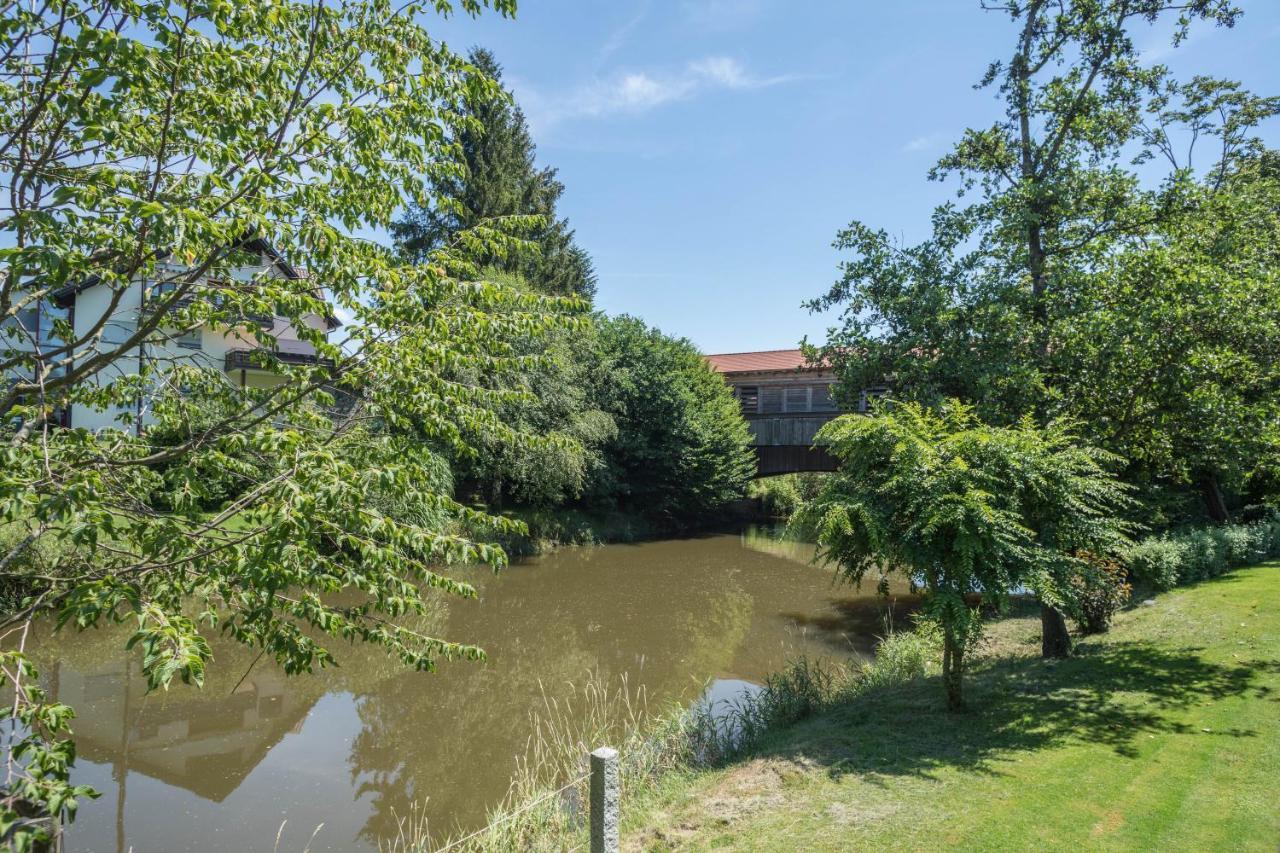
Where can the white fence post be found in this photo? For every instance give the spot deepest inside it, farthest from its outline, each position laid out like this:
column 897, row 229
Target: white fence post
column 606, row 788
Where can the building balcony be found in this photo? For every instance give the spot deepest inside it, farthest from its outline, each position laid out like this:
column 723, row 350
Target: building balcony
column 286, row 352
column 263, row 321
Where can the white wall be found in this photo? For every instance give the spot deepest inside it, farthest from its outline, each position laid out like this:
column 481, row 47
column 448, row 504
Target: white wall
column 92, row 302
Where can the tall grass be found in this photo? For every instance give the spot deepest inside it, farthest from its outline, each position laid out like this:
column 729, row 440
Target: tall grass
column 546, row 805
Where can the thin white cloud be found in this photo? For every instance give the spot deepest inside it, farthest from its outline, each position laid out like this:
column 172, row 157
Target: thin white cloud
column 619, row 37
column 640, row 91
column 1160, row 47
column 927, row 142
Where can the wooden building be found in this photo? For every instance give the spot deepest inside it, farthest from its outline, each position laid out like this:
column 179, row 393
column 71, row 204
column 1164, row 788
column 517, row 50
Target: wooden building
column 785, row 401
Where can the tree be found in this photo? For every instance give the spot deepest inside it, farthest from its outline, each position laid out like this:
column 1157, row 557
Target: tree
column 1170, row 354
column 974, row 306
column 964, row 509
column 977, row 310
column 557, row 377
column 160, row 143
column 496, row 180
column 682, row 448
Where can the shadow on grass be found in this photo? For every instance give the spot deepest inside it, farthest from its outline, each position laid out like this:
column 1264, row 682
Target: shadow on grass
column 859, row 619
column 1111, row 694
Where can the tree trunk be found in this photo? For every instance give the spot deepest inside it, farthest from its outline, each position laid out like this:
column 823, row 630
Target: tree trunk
column 953, row 671
column 1055, row 639
column 1214, row 501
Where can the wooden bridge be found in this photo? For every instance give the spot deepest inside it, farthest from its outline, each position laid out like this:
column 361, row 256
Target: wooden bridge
column 784, row 444
column 785, row 401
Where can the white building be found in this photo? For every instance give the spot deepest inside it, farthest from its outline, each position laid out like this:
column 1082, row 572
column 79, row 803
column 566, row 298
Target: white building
column 225, row 349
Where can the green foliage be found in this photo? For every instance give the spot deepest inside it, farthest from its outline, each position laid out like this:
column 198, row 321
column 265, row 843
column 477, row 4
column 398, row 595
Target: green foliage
column 1065, row 288
column 904, row 655
column 962, row 508
column 169, row 147
column 1169, row 352
column 1186, row 556
column 634, row 426
column 778, row 496
column 1157, row 562
column 781, row 496
column 496, row 179
column 38, row 798
column 681, row 451
column 557, row 403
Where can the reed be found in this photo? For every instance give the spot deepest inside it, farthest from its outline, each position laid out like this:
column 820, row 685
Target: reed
column 545, row 807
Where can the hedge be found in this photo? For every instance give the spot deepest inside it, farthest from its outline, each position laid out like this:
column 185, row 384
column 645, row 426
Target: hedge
column 1191, row 555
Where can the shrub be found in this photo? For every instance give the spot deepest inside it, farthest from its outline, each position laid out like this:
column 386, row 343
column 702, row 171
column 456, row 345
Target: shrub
column 1191, row 555
column 903, row 655
column 1157, row 562
column 781, row 496
column 1264, row 539
column 1100, row 592
column 1206, row 555
column 1238, row 544
column 778, row 496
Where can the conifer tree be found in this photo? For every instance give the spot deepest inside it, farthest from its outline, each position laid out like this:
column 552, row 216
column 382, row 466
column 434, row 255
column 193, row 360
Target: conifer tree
column 500, row 180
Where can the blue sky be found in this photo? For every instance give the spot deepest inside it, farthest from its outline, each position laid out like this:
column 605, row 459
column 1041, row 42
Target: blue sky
column 711, row 149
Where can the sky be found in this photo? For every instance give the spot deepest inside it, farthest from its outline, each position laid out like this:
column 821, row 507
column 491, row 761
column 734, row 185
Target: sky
column 712, row 149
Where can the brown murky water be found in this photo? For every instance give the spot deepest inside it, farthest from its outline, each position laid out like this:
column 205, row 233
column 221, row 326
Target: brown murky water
column 220, row 768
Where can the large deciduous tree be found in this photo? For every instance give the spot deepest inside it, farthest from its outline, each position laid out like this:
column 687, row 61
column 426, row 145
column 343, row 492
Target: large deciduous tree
column 681, row 450
column 965, row 510
column 154, row 142
column 989, row 308
column 497, row 180
column 1171, row 355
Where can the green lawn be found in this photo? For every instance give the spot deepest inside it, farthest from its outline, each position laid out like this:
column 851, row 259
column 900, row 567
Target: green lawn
column 1162, row 735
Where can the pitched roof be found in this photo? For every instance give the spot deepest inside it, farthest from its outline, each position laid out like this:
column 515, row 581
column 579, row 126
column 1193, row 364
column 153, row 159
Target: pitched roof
column 65, row 296
column 757, row 362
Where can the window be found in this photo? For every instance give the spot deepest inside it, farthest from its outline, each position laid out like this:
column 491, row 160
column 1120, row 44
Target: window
column 29, row 319
column 770, row 400
column 795, row 400
column 50, row 315
column 822, row 400
column 869, row 395
column 748, row 398
column 118, row 329
column 189, row 340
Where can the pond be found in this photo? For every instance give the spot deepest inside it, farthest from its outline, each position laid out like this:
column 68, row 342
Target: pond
column 220, row 768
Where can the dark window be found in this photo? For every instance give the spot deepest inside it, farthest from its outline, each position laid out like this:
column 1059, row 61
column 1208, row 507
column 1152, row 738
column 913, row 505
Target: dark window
column 869, row 396
column 771, row 400
column 749, row 399
column 796, row 400
column 190, row 340
column 822, row 401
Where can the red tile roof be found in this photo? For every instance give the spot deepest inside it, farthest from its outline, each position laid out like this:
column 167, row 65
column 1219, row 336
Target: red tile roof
column 755, row 362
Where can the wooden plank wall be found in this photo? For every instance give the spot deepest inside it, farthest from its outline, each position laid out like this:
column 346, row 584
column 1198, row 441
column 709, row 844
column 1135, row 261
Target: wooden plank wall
column 791, row 460
column 789, row 431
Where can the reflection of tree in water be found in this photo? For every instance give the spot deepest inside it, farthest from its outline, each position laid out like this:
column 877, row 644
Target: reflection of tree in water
column 205, row 739
column 452, row 739
column 669, row 615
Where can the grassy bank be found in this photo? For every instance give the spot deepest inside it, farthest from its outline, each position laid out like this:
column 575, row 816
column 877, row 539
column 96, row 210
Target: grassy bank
column 1163, row 734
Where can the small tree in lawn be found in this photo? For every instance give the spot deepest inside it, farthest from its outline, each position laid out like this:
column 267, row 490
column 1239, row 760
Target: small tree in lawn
column 963, row 508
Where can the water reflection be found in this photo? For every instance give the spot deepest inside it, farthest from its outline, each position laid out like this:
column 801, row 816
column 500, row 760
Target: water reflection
column 220, row 768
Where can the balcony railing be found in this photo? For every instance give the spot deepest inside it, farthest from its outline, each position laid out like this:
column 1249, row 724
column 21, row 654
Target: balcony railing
column 264, row 321
column 290, row 352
